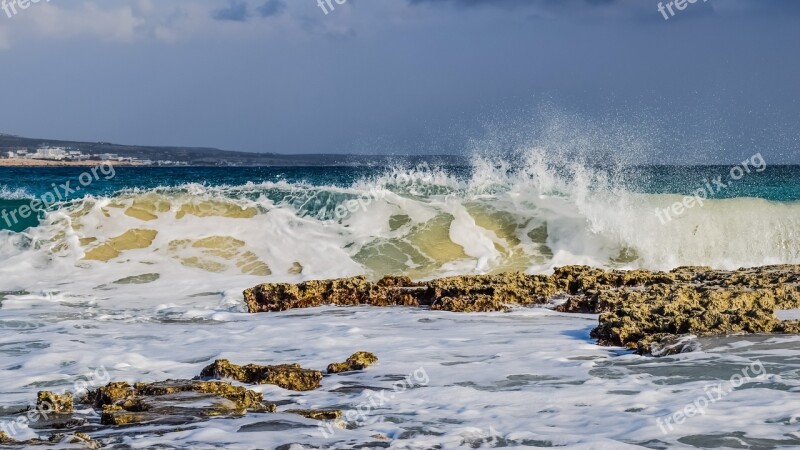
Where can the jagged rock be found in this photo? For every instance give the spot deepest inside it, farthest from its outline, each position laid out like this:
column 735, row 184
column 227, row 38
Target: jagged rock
column 54, row 403
column 122, row 404
column 80, row 438
column 317, row 414
column 789, row 327
column 467, row 293
column 669, row 344
column 287, row 376
column 117, row 415
column 83, row 440
column 345, row 292
column 636, row 307
column 639, row 317
column 476, row 303
column 6, row 440
column 111, row 393
column 357, row 361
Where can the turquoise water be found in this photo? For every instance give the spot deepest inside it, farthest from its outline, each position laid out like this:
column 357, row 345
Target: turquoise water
column 779, row 183
column 425, row 221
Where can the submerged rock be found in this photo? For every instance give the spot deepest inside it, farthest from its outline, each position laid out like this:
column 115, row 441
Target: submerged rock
column 181, row 401
column 173, row 404
column 317, row 414
column 357, row 361
column 60, row 440
column 669, row 344
column 637, row 308
column 287, row 376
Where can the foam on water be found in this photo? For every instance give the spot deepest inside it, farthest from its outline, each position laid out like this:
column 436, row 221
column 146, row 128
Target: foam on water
column 147, row 283
column 423, row 222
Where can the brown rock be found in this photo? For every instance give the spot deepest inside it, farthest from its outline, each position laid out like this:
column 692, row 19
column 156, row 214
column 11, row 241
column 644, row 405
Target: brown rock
column 357, row 361
column 287, row 376
column 636, row 307
column 121, row 404
column 54, row 403
column 317, row 414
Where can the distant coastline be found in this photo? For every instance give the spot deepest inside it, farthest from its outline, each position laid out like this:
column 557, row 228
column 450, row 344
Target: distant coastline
column 45, row 163
column 200, row 156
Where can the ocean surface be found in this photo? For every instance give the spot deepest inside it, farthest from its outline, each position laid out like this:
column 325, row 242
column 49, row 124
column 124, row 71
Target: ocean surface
column 139, row 272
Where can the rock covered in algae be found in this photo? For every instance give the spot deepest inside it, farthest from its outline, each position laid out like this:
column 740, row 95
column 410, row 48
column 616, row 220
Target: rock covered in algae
column 346, row 292
column 54, row 403
column 486, row 292
column 61, row 440
column 121, row 404
column 639, row 317
column 637, row 307
column 287, row 376
column 357, row 361
column 317, row 414
column 176, row 403
column 111, row 393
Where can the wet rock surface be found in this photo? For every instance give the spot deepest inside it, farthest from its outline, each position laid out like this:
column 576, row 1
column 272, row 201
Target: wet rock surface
column 58, row 440
column 173, row 401
column 317, row 414
column 52, row 402
column 639, row 309
column 357, row 361
column 172, row 404
column 480, row 292
column 287, row 376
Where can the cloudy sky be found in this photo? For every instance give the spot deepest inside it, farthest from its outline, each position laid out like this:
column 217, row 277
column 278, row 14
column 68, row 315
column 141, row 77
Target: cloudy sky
column 718, row 81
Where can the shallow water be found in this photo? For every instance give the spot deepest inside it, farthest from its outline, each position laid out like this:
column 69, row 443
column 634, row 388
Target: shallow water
column 530, row 377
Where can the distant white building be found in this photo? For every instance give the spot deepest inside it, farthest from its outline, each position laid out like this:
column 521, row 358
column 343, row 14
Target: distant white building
column 54, row 153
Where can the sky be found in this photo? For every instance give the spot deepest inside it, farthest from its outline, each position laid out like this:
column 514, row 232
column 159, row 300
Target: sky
column 716, row 82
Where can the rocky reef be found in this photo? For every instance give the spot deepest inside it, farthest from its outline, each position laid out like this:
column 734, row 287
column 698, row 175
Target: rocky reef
column 59, row 440
column 639, row 309
column 462, row 293
column 287, row 376
column 121, row 404
column 176, row 403
column 357, row 361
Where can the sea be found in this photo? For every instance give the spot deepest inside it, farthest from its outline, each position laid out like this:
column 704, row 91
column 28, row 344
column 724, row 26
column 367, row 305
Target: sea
column 136, row 274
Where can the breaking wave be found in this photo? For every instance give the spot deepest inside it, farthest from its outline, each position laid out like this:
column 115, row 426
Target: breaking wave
column 530, row 213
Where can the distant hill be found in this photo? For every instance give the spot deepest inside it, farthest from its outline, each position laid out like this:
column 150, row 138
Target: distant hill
column 203, row 156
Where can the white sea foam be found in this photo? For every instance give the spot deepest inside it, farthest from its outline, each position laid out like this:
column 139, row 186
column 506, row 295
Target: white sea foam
column 82, row 292
column 7, row 193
